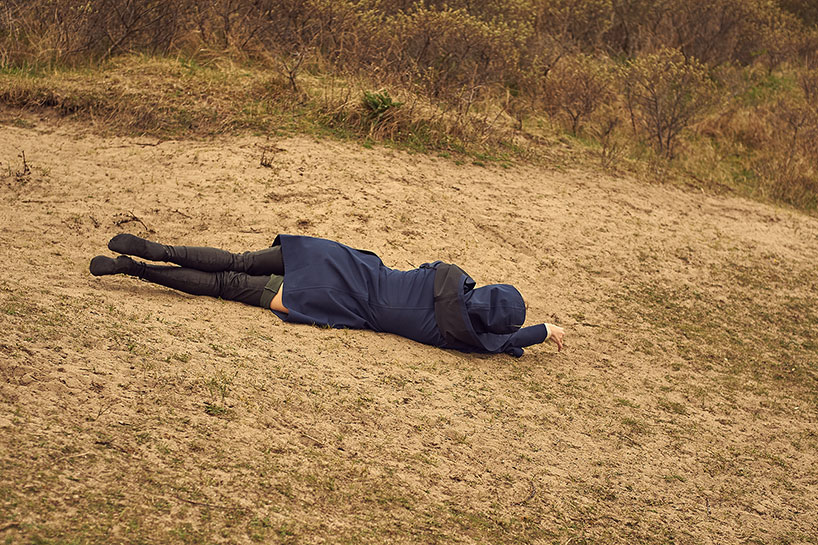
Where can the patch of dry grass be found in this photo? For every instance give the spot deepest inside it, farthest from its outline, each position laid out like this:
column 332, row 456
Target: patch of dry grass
column 169, row 98
column 149, row 96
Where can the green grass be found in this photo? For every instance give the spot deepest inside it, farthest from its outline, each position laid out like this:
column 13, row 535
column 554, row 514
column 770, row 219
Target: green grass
column 709, row 337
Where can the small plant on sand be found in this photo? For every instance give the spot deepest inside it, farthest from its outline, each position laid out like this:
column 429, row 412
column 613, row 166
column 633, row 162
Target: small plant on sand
column 22, row 175
column 610, row 147
column 378, row 105
column 219, row 387
column 214, row 410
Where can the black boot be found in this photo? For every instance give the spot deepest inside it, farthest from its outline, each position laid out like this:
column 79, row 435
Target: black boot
column 126, row 243
column 229, row 285
column 102, row 265
column 261, row 262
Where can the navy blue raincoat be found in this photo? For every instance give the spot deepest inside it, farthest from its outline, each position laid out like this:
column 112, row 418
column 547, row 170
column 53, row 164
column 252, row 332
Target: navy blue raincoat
column 330, row 284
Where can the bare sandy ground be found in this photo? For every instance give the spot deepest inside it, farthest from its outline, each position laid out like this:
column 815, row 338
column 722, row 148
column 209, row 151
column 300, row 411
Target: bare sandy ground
column 683, row 409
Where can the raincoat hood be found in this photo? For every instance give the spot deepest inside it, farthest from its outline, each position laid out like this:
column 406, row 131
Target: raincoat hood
column 484, row 318
column 497, row 308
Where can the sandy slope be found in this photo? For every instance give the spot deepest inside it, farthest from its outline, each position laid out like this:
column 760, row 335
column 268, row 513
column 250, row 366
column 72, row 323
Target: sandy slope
column 132, row 413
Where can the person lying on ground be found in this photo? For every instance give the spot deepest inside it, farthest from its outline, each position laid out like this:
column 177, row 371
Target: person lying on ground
column 330, row 284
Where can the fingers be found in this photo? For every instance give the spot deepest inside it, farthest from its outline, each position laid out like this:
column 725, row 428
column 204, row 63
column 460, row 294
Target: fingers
column 557, row 333
column 557, row 338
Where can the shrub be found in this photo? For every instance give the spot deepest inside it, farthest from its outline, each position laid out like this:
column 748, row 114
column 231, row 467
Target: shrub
column 528, row 87
column 793, row 180
column 664, row 94
column 582, row 22
column 580, row 84
column 63, row 30
column 805, row 10
column 448, row 50
column 713, row 31
column 607, row 133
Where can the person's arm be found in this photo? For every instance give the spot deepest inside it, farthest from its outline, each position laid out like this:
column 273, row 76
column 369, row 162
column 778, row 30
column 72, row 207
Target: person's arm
column 534, row 334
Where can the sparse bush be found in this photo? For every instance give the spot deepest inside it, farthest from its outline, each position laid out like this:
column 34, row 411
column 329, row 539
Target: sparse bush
column 809, row 86
column 789, row 159
column 805, row 10
column 527, row 88
column 789, row 179
column 607, row 133
column 447, row 51
column 635, row 25
column 49, row 31
column 795, row 121
column 713, row 31
column 580, row 22
column 665, row 93
column 579, row 86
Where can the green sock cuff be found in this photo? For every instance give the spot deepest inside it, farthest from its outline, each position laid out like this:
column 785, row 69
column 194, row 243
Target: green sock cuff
column 270, row 290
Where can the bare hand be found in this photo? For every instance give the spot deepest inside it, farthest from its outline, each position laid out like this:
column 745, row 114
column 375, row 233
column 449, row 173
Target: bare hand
column 557, row 333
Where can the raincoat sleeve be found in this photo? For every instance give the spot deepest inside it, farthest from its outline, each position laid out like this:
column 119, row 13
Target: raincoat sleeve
column 525, row 336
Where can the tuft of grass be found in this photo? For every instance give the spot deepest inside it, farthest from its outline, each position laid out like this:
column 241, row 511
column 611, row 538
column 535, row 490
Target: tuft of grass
column 672, row 406
column 634, row 426
column 214, row 409
column 379, row 105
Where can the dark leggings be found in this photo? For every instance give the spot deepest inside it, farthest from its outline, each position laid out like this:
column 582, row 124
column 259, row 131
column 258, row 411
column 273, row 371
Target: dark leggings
column 259, row 263
column 252, row 278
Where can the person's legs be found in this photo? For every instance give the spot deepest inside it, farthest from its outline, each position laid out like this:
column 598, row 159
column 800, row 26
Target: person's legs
column 262, row 262
column 229, row 285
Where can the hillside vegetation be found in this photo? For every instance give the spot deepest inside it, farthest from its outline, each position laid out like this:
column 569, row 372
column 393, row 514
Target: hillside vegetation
column 716, row 93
